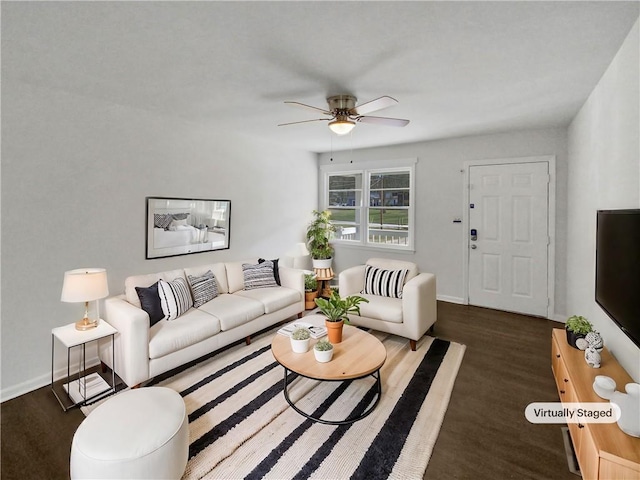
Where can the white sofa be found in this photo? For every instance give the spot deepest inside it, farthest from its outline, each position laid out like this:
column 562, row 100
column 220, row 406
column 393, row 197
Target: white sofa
column 410, row 316
column 143, row 352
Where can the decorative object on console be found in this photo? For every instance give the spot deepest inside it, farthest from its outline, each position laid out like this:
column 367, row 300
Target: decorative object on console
column 336, row 310
column 323, row 351
column 85, row 285
column 180, row 226
column 592, row 345
column 319, row 233
column 300, row 340
column 629, row 402
column 577, row 327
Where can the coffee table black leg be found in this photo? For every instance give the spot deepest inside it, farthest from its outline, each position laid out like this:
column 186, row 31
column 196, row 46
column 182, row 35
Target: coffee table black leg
column 348, row 421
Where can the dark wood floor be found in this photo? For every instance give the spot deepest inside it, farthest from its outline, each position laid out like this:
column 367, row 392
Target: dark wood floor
column 484, row 435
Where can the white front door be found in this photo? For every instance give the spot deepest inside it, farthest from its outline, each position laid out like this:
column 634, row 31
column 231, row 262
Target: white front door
column 508, row 213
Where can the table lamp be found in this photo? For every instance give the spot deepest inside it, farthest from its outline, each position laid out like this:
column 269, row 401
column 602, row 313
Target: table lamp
column 85, row 285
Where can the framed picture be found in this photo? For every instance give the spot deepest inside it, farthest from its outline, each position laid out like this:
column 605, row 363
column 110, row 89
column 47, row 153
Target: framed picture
column 181, row 226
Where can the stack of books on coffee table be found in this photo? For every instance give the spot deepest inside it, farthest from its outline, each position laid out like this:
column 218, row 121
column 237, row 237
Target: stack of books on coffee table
column 316, row 331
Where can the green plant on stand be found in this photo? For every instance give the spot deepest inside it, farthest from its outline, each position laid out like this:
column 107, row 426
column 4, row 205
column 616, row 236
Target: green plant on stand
column 319, row 233
column 310, row 291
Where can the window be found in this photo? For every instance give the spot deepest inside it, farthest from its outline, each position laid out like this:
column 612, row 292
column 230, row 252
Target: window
column 372, row 207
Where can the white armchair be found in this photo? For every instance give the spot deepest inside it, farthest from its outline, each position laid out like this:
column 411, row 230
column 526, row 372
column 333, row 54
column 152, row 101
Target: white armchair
column 410, row 316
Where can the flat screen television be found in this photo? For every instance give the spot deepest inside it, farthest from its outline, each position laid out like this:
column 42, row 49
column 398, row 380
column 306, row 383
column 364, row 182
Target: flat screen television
column 618, row 268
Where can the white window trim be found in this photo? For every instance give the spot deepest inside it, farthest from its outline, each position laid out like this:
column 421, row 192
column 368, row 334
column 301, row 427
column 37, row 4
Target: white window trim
column 366, row 169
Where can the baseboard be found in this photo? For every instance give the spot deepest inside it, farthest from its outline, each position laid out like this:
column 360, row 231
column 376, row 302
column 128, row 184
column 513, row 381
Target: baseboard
column 449, row 299
column 39, row 382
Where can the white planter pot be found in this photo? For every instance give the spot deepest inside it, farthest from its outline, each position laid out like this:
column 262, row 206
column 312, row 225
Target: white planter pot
column 323, row 356
column 322, row 263
column 300, row 346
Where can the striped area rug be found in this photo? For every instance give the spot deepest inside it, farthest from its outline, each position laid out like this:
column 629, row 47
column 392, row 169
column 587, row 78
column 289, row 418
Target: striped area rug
column 241, row 426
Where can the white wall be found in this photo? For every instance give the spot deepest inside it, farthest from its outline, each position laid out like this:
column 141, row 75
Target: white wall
column 439, row 198
column 604, row 172
column 75, row 174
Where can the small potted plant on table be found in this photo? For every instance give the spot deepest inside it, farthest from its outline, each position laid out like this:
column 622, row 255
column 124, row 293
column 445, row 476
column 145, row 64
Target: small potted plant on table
column 300, row 340
column 336, row 310
column 323, row 350
column 577, row 327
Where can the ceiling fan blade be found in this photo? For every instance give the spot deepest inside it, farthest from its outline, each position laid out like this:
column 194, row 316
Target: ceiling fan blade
column 391, row 122
column 305, row 121
column 298, row 104
column 373, row 105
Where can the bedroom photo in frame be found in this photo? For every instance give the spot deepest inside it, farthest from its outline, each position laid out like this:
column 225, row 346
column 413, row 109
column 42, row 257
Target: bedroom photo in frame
column 181, row 226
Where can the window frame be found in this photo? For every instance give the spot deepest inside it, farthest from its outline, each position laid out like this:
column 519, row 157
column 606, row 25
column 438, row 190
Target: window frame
column 367, row 169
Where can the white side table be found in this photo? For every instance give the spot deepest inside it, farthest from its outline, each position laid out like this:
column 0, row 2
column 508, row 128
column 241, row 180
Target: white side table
column 81, row 388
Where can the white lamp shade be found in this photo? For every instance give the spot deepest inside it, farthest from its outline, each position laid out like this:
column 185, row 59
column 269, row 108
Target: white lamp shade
column 84, row 285
column 299, row 250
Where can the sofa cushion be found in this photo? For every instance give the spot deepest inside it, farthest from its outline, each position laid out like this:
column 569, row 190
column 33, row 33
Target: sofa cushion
column 273, row 298
column 194, row 326
column 235, row 275
column 132, row 282
column 386, row 283
column 276, row 268
column 382, row 308
column 175, row 297
column 258, row 276
column 203, row 288
column 150, row 303
column 219, row 271
column 233, row 310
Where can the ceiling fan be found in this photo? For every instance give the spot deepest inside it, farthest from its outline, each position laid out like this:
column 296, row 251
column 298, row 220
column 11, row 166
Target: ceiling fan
column 344, row 114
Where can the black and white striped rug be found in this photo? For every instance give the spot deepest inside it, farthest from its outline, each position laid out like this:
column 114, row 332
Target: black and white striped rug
column 241, row 426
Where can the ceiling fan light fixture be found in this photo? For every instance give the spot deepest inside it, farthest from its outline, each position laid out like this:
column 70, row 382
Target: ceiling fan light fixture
column 341, row 126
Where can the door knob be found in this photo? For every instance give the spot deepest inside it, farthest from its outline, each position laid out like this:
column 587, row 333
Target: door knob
column 474, row 246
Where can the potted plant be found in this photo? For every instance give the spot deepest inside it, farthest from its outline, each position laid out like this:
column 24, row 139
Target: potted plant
column 310, row 291
column 319, row 233
column 323, row 350
column 577, row 327
column 300, row 340
column 336, row 310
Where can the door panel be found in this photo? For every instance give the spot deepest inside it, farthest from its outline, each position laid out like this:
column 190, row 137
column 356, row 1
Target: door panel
column 508, row 260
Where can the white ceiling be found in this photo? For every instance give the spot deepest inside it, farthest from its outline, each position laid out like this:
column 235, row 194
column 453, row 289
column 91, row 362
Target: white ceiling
column 456, row 68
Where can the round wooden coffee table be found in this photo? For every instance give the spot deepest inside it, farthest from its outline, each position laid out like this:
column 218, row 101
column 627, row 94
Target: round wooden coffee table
column 359, row 355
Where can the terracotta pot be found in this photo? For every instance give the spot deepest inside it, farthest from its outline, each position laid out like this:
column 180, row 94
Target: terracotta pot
column 309, row 297
column 334, row 331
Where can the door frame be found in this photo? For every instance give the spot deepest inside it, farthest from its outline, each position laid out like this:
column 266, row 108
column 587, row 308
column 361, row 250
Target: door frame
column 551, row 219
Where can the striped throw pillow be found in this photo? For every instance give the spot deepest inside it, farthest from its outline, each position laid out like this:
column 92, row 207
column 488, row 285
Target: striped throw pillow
column 175, row 297
column 385, row 283
column 203, row 288
column 258, row 276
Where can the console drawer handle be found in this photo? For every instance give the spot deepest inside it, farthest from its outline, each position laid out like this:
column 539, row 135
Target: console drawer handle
column 580, row 425
column 566, row 380
column 557, row 355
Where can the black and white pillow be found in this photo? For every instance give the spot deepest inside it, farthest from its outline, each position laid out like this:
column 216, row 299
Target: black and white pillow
column 175, row 297
column 258, row 276
column 150, row 302
column 276, row 271
column 162, row 220
column 386, row 283
column 203, row 288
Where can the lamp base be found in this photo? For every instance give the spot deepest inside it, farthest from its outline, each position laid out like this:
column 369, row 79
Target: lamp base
column 86, row 324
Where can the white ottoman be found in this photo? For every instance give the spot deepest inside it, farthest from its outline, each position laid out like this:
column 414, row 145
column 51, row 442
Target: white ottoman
column 141, row 433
